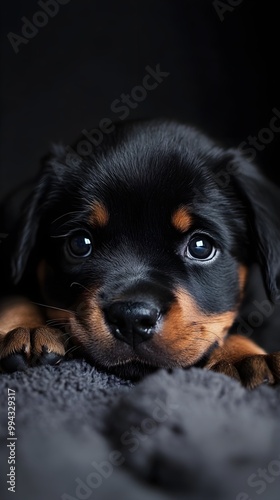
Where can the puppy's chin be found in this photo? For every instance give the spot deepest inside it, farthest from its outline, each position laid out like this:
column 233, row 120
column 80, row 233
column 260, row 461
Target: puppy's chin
column 136, row 370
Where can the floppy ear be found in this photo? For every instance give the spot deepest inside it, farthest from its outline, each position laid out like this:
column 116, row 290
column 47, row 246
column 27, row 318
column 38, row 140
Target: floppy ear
column 23, row 241
column 26, row 234
column 262, row 199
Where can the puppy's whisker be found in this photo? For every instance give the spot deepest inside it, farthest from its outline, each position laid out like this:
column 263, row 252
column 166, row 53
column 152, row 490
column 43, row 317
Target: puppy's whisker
column 204, row 340
column 51, row 307
column 58, row 325
column 221, row 346
column 66, row 214
column 214, row 333
column 60, row 235
column 65, row 335
column 80, row 284
column 72, row 349
column 55, row 321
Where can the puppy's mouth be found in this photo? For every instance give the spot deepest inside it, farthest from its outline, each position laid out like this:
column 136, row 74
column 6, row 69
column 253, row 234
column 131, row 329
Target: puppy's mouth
column 134, row 359
column 131, row 337
column 137, row 369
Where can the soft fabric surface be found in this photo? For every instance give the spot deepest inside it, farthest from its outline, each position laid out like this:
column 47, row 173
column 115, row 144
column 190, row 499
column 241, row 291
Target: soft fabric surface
column 187, row 434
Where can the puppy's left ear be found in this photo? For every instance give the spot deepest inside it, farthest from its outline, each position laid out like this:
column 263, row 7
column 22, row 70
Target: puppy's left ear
column 262, row 199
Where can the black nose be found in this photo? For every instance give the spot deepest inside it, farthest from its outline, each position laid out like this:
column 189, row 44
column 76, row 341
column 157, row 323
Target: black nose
column 132, row 322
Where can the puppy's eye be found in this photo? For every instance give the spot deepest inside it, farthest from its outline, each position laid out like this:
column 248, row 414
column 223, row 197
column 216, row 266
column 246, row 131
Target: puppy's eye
column 79, row 245
column 200, row 247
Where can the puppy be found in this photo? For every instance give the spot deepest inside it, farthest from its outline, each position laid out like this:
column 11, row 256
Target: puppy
column 137, row 257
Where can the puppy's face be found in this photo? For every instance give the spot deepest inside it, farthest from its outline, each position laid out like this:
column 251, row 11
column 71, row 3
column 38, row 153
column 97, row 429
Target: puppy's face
column 144, row 250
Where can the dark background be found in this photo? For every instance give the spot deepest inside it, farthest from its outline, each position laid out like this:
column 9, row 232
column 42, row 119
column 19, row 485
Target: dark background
column 223, row 75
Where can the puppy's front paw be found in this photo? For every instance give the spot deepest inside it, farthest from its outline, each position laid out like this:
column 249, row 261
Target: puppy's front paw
column 252, row 371
column 24, row 347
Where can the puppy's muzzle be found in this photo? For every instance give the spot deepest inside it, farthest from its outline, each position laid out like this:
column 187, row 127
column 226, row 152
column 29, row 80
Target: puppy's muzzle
column 132, row 322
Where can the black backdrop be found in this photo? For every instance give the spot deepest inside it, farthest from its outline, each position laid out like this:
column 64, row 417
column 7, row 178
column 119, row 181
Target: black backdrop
column 223, row 73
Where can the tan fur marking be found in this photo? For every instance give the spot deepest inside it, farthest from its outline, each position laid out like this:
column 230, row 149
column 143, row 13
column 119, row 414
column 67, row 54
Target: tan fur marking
column 49, row 338
column 19, row 312
column 88, row 319
column 15, row 341
column 99, row 215
column 187, row 332
column 234, row 349
column 181, row 219
column 243, row 274
column 21, row 330
column 182, row 338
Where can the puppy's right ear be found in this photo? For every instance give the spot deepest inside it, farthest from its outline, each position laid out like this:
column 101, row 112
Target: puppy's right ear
column 26, row 234
column 24, row 238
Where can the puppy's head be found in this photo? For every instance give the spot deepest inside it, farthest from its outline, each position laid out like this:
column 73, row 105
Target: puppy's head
column 146, row 244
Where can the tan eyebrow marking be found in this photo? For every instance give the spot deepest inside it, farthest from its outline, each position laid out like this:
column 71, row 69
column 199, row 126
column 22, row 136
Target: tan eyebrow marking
column 181, row 219
column 99, row 215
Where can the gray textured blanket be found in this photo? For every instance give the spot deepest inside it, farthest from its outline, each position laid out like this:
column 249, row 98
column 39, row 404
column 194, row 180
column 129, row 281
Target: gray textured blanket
column 189, row 434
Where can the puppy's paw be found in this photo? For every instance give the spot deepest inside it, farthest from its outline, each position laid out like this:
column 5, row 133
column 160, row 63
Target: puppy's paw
column 252, row 371
column 24, row 347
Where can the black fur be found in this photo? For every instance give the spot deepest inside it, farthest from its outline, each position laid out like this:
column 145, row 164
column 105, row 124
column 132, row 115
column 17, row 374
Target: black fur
column 142, row 172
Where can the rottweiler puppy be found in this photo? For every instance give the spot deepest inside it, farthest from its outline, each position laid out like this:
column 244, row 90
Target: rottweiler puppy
column 137, row 257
